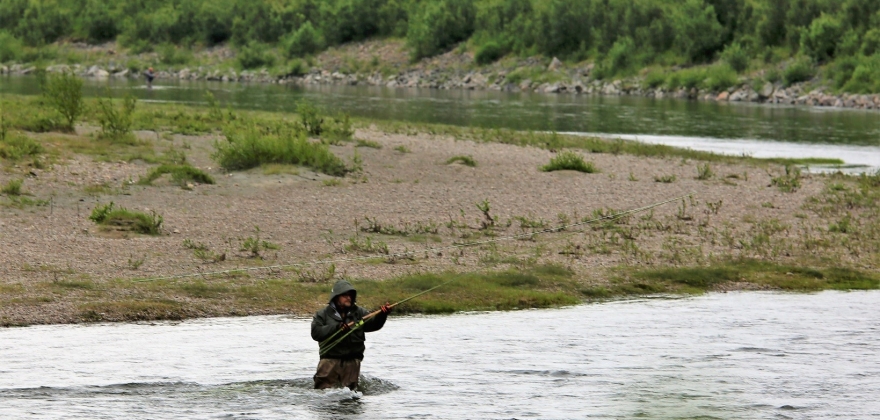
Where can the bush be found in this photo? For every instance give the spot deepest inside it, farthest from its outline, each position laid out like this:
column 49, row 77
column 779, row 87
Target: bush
column 297, row 67
column 255, row 55
column 311, row 121
column 10, row 48
column 180, row 175
column 488, row 53
column 871, row 42
column 736, row 57
column 124, row 219
column 569, row 161
column 15, row 146
column 819, row 41
column 799, row 70
column 173, row 56
column 655, row 79
column 64, row 93
column 720, row 77
column 305, row 41
column 865, row 77
column 248, row 146
column 116, row 124
column 13, row 187
column 438, row 25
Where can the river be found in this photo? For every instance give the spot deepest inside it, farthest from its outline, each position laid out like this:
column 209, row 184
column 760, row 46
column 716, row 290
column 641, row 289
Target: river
column 744, row 355
column 731, row 128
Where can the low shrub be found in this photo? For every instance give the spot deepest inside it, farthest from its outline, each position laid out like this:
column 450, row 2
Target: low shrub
column 15, row 146
column 127, row 220
column 799, row 70
column 255, row 55
column 13, row 187
column 569, row 161
column 248, row 146
column 116, row 123
column 63, row 92
column 10, row 47
column 180, row 175
column 720, row 77
column 464, row 160
column 736, row 57
column 489, row 53
column 310, row 118
column 304, row 41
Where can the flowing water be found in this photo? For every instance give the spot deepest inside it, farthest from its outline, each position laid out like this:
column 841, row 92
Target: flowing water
column 725, row 356
column 731, row 128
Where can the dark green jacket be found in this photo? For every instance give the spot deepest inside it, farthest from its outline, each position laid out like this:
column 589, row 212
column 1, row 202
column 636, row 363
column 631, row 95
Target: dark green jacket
column 327, row 321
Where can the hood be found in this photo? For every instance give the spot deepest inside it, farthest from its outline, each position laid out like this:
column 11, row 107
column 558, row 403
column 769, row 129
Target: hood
column 340, row 288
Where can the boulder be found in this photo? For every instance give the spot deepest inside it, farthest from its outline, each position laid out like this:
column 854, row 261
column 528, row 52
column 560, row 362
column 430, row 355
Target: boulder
column 723, row 96
column 555, row 64
column 767, row 90
column 554, row 88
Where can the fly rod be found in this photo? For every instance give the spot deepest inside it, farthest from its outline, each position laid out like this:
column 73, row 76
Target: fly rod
column 329, row 343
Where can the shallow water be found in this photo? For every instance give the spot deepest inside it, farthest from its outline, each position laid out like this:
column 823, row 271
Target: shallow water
column 730, row 128
column 726, row 356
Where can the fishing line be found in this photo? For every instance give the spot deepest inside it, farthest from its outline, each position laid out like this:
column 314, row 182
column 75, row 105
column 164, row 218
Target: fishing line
column 407, row 253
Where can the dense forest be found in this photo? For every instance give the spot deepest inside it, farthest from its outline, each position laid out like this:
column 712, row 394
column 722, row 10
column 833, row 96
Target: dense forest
column 622, row 36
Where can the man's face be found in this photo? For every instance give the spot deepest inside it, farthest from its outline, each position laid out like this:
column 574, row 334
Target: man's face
column 343, row 301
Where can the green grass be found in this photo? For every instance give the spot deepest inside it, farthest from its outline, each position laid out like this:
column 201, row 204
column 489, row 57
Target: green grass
column 569, row 161
column 180, row 175
column 12, row 188
column 368, row 143
column 122, row 219
column 279, row 169
column 464, row 160
column 249, row 145
column 15, row 146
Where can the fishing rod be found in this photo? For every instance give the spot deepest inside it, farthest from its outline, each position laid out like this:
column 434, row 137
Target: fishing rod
column 327, row 344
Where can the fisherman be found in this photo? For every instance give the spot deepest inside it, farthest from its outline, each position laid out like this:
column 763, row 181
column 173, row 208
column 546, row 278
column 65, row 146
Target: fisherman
column 149, row 75
column 340, row 365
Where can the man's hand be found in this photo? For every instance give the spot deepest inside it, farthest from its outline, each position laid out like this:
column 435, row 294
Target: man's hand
column 386, row 309
column 344, row 326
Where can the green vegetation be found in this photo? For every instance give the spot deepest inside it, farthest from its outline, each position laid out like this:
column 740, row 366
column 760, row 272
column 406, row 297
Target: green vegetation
column 794, row 36
column 122, row 219
column 248, row 145
column 64, row 93
column 569, row 161
column 116, row 124
column 180, row 175
column 464, row 160
column 13, row 187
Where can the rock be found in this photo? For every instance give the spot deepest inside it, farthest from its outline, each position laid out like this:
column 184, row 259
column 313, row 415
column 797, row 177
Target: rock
column 723, row 96
column 184, row 74
column 526, row 84
column 555, row 64
column 121, row 74
column 101, row 74
column 176, row 231
column 554, row 88
column 4, row 69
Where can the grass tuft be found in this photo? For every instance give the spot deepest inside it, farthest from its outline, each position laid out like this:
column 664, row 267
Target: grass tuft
column 126, row 220
column 180, row 175
column 569, row 161
column 464, row 160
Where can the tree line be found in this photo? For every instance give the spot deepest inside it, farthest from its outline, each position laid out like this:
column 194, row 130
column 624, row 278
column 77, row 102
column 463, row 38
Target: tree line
column 623, row 35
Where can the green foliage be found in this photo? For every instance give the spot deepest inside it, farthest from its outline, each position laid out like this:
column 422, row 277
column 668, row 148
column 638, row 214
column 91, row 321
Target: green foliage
column 620, row 58
column 255, row 55
column 297, row 67
column 736, row 57
column 10, row 47
column 465, row 160
column 173, row 56
column 311, row 120
column 871, row 42
column 704, row 172
column 865, row 76
column 799, row 70
column 121, row 218
column 790, row 182
column 305, row 41
column 15, row 146
column 116, row 123
column 13, row 187
column 255, row 246
column 820, row 40
column 438, row 25
column 180, row 175
column 488, row 53
column 64, row 93
column 248, row 145
column 720, row 77
column 569, row 161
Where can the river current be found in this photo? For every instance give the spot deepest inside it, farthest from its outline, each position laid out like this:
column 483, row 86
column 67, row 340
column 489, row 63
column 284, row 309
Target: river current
column 725, row 356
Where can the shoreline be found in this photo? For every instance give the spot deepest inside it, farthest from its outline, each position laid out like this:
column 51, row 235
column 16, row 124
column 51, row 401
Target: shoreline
column 751, row 224
column 349, row 65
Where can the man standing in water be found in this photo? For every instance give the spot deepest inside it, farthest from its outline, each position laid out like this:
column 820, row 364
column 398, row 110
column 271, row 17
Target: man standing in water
column 340, row 365
column 149, row 75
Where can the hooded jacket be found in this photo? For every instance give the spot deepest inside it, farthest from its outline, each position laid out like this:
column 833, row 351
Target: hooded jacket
column 327, row 321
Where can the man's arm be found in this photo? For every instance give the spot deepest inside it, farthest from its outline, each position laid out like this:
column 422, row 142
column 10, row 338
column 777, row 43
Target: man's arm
column 322, row 328
column 374, row 324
